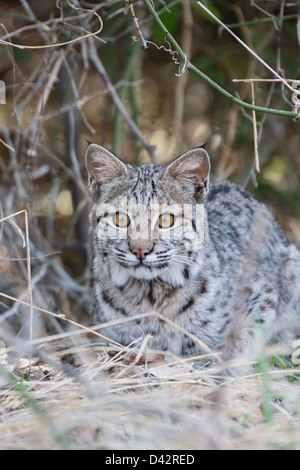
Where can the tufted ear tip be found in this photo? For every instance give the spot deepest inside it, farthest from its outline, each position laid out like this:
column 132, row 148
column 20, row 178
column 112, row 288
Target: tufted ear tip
column 193, row 167
column 102, row 165
column 203, row 146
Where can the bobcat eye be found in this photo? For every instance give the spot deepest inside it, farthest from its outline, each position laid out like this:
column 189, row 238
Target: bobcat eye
column 166, row 220
column 121, row 219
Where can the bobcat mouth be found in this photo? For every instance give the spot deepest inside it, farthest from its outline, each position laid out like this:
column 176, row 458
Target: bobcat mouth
column 161, row 261
column 151, row 265
column 143, row 264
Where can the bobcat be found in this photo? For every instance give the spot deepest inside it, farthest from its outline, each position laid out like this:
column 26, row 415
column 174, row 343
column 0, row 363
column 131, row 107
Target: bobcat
column 212, row 261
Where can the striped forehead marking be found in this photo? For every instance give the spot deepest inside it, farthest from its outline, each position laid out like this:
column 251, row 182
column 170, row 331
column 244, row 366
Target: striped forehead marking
column 144, row 188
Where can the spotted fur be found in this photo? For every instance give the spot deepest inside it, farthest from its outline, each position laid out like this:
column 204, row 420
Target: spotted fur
column 224, row 272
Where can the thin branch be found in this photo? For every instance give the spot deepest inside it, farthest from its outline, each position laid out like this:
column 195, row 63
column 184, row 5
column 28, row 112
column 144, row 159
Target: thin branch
column 245, row 46
column 32, row 17
column 257, row 166
column 28, row 261
column 182, row 84
column 86, row 329
column 6, row 145
column 126, row 79
column 198, row 72
column 260, row 20
column 95, row 60
column 117, row 101
column 128, row 4
column 72, row 41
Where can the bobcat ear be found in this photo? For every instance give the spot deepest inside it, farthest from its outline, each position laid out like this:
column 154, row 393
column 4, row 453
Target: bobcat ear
column 102, row 165
column 193, row 167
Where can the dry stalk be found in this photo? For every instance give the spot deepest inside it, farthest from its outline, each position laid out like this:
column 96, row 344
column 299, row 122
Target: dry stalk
column 28, row 261
column 257, row 57
column 257, row 167
column 60, row 44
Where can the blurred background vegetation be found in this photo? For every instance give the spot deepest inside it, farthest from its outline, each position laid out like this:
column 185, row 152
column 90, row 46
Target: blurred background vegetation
column 57, row 97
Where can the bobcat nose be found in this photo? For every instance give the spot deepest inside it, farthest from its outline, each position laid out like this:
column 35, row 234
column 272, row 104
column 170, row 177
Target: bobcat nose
column 140, row 253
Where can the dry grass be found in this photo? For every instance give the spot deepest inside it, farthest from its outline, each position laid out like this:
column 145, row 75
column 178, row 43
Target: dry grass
column 92, row 396
column 63, row 390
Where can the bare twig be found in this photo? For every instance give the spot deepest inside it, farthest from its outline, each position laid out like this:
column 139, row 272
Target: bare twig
column 60, row 44
column 246, row 47
column 190, row 66
column 7, row 145
column 181, row 85
column 128, row 4
column 28, row 261
column 116, row 99
column 254, row 131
